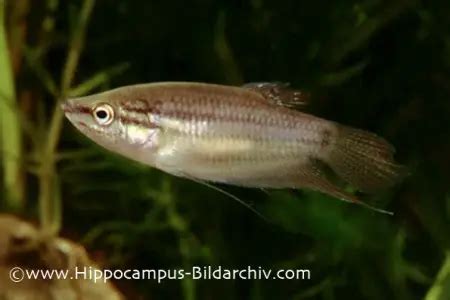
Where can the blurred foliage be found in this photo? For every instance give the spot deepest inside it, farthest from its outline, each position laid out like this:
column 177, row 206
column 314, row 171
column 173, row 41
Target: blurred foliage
column 10, row 133
column 379, row 65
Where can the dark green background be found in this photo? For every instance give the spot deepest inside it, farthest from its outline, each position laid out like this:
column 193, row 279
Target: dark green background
column 382, row 66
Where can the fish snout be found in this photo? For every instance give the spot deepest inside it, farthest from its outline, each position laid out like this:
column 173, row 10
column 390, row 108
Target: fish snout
column 66, row 106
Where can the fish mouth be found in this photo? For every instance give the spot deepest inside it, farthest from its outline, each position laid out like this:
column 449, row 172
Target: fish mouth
column 74, row 112
column 65, row 106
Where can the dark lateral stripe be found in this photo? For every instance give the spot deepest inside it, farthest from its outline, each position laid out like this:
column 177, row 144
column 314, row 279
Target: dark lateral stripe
column 138, row 110
column 237, row 117
column 133, row 121
column 77, row 109
column 154, row 108
column 193, row 110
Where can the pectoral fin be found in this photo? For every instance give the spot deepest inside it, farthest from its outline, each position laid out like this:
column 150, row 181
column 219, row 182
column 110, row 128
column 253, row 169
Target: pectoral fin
column 279, row 93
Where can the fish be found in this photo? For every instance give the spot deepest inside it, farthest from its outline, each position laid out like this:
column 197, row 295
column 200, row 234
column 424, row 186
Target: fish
column 250, row 136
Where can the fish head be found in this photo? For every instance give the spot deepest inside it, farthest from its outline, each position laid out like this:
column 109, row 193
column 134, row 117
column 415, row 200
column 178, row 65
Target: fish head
column 116, row 121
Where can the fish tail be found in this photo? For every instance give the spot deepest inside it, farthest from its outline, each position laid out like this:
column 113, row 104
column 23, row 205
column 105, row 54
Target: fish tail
column 364, row 160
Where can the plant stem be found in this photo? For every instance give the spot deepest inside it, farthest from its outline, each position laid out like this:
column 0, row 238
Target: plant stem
column 225, row 54
column 440, row 290
column 49, row 200
column 180, row 227
column 10, row 131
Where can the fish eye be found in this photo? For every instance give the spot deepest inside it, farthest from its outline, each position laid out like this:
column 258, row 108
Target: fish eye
column 103, row 114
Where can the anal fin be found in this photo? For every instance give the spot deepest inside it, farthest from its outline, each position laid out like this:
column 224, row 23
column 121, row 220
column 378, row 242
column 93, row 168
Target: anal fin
column 313, row 177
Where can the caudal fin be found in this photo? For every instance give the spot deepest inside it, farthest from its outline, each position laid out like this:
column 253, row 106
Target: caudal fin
column 364, row 160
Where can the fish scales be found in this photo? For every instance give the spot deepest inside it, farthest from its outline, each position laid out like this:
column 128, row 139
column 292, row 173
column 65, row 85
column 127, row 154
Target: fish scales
column 225, row 138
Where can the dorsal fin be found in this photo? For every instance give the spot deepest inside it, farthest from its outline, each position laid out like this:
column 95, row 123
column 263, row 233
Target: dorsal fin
column 279, row 93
